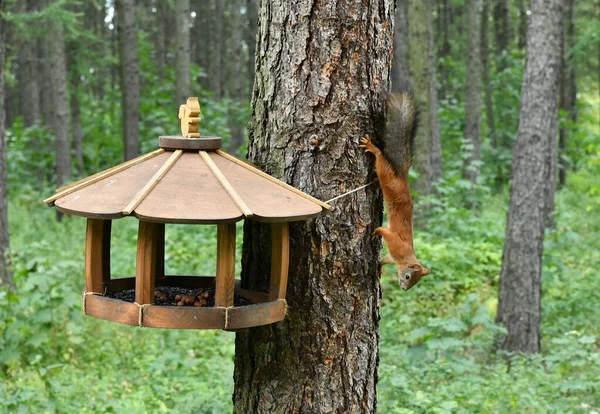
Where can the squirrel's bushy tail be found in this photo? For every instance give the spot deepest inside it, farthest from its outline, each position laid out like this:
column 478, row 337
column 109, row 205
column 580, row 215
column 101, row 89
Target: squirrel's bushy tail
column 400, row 130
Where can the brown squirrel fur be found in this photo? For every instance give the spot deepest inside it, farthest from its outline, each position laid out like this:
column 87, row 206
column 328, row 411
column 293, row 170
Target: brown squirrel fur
column 392, row 171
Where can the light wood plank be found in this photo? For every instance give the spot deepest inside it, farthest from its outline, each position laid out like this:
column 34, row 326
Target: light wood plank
column 272, row 179
column 280, row 259
column 152, row 183
column 226, row 185
column 225, row 280
column 70, row 188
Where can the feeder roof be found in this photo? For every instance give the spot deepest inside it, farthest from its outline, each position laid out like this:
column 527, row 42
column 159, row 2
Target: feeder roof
column 200, row 187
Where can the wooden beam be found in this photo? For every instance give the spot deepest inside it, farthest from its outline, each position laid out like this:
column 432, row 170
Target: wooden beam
column 280, row 260
column 68, row 189
column 97, row 255
column 143, row 192
column 225, row 279
column 146, row 263
column 272, row 179
column 226, row 184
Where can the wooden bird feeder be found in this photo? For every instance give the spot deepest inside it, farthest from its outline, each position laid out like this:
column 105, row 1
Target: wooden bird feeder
column 189, row 179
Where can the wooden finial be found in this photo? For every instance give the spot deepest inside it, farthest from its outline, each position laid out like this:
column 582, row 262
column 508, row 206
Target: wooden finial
column 190, row 118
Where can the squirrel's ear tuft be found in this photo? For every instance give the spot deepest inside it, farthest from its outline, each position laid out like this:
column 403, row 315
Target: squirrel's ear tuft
column 425, row 271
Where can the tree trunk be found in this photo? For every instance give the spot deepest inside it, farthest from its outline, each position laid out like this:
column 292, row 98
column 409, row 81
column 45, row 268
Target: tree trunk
column 182, row 50
column 473, row 92
column 237, row 88
column 5, row 272
column 400, row 67
column 522, row 4
column 60, row 102
column 420, row 41
column 28, row 85
column 323, row 81
column 568, row 90
column 218, row 57
column 502, row 30
column 436, row 142
column 130, row 76
column 252, row 13
column 76, row 125
column 520, row 279
column 485, row 63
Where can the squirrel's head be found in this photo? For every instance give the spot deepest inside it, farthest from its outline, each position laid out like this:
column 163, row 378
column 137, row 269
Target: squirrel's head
column 409, row 274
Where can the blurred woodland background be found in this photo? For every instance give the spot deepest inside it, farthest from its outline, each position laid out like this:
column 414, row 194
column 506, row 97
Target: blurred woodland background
column 87, row 84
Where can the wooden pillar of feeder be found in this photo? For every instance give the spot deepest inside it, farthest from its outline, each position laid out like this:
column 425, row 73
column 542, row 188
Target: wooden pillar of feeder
column 225, row 265
column 147, row 261
column 280, row 260
column 97, row 255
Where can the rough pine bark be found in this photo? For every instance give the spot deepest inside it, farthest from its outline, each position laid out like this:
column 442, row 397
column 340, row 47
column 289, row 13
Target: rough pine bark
column 420, row 41
column 182, row 50
column 400, row 67
column 568, row 90
column 473, row 92
column 322, row 67
column 130, row 76
column 519, row 304
column 485, row 63
column 60, row 102
column 5, row 272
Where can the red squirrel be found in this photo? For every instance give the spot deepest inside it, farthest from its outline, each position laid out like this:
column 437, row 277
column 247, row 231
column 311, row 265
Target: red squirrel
column 392, row 168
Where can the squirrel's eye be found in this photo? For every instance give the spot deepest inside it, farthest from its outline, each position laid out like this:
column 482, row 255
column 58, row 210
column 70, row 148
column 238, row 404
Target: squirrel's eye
column 407, row 276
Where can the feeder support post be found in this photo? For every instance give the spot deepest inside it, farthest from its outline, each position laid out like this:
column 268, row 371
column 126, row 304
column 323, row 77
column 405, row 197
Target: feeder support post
column 97, row 255
column 225, row 265
column 280, row 259
column 147, row 261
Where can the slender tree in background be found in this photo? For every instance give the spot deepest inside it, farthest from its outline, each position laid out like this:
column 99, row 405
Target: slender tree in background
column 237, row 89
column 250, row 39
column 5, row 272
column 568, row 89
column 501, row 30
column 182, row 50
column 318, row 89
column 28, row 78
column 427, row 162
column 400, row 67
column 130, row 76
column 473, row 93
column 520, row 280
column 485, row 63
column 61, row 119
column 522, row 5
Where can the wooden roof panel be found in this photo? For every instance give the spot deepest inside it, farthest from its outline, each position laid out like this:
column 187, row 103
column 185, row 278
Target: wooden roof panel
column 267, row 200
column 189, row 193
column 108, row 197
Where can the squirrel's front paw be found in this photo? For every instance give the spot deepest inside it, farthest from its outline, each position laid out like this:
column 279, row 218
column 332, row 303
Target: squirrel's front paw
column 366, row 143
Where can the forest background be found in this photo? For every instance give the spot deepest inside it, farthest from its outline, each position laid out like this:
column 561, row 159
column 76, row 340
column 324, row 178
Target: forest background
column 70, row 72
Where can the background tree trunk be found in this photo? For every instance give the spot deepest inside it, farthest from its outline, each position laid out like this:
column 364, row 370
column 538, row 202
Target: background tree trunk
column 130, row 77
column 236, row 82
column 322, row 68
column 473, row 92
column 400, row 66
column 420, row 40
column 436, row 142
column 520, row 279
column 5, row 272
column 502, row 30
column 250, row 36
column 60, row 102
column 28, row 85
column 568, row 90
column 485, row 63
column 182, row 50
column 522, row 5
